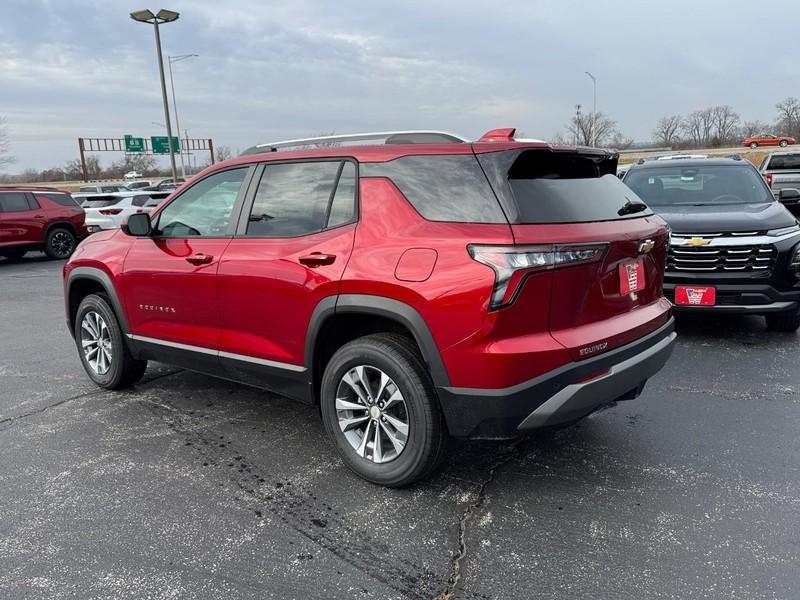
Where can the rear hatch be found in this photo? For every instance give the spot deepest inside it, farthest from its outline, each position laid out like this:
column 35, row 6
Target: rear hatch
column 571, row 199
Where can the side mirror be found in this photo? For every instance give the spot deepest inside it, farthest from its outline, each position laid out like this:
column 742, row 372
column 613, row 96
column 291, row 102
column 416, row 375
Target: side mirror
column 789, row 196
column 139, row 225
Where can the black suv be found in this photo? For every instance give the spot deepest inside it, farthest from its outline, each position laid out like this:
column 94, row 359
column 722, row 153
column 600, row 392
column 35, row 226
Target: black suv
column 734, row 247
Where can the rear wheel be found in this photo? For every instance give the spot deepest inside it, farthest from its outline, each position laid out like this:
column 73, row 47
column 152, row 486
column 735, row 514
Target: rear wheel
column 783, row 144
column 60, row 243
column 379, row 406
column 14, row 254
column 103, row 351
column 753, row 145
column 788, row 321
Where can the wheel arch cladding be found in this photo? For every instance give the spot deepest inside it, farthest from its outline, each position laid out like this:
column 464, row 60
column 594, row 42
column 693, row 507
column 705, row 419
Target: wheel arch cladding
column 83, row 279
column 376, row 306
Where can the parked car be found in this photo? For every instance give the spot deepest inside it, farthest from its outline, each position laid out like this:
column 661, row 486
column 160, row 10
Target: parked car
column 138, row 185
column 39, row 218
column 781, row 170
column 419, row 288
column 110, row 211
column 102, row 189
column 768, row 139
column 132, row 175
column 734, row 247
column 166, row 185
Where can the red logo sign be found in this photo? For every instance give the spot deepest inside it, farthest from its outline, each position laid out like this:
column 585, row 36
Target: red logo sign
column 695, row 295
column 631, row 277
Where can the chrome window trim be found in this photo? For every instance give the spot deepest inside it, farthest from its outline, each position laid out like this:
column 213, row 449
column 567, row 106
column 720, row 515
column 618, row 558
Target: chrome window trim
column 231, row 355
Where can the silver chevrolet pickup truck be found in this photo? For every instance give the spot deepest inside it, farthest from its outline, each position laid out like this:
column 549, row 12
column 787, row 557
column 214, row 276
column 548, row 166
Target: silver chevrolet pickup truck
column 781, row 170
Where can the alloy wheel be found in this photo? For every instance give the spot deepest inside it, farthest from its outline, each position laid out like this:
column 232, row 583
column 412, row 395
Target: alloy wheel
column 372, row 414
column 96, row 342
column 62, row 244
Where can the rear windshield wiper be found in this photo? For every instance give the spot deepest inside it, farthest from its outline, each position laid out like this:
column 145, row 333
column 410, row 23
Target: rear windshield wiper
column 630, row 208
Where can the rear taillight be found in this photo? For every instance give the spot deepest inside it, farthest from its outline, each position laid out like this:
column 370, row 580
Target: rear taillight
column 110, row 211
column 768, row 179
column 511, row 264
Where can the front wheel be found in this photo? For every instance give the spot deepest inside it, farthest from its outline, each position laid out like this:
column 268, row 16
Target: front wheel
column 783, row 144
column 379, row 406
column 103, row 351
column 788, row 321
column 60, row 243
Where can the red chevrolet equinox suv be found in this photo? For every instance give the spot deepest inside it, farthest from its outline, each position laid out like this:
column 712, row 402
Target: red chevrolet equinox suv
column 39, row 218
column 414, row 289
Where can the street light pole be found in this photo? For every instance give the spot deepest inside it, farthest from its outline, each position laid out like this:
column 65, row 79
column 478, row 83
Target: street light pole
column 163, row 16
column 170, row 60
column 594, row 110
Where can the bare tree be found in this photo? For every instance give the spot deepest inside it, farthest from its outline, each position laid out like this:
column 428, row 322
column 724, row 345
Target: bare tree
column 788, row 122
column 5, row 145
column 756, row 127
column 586, row 129
column 725, row 121
column 666, row 131
column 222, row 153
column 697, row 126
column 620, row 141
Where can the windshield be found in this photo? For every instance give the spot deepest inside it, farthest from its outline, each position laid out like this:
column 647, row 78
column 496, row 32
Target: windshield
column 699, row 185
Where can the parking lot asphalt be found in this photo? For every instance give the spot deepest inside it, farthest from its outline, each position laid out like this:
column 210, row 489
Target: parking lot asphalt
column 191, row 487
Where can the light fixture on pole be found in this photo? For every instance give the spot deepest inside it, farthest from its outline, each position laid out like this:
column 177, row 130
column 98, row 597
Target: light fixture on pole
column 170, row 60
column 163, row 16
column 594, row 110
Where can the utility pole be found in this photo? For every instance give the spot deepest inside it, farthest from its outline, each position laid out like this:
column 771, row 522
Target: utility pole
column 594, row 110
column 170, row 60
column 163, row 16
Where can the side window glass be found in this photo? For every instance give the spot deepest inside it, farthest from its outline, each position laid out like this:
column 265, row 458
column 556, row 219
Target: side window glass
column 13, row 202
column 343, row 206
column 205, row 208
column 292, row 199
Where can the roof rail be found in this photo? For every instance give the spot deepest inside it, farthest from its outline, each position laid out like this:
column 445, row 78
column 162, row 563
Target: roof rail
column 378, row 137
column 30, row 187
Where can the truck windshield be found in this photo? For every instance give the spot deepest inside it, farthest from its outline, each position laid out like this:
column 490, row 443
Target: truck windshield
column 699, row 185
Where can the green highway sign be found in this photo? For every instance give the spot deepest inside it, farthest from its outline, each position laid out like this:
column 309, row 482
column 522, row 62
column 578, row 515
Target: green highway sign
column 159, row 143
column 134, row 144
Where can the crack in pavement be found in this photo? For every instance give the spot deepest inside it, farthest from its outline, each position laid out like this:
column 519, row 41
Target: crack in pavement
column 9, row 422
column 506, row 456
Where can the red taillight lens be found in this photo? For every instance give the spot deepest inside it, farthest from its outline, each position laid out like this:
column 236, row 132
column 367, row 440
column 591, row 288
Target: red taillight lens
column 512, row 263
column 768, row 178
column 110, row 211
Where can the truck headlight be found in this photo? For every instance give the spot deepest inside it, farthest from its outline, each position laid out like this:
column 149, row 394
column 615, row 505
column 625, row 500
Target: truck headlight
column 794, row 262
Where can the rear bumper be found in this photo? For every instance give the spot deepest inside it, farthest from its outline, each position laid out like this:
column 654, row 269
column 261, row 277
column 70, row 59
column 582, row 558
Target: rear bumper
column 756, row 299
column 560, row 396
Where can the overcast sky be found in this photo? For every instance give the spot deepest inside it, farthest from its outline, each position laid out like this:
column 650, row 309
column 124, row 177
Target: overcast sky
column 272, row 70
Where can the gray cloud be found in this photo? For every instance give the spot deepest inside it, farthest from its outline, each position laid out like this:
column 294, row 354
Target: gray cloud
column 270, row 70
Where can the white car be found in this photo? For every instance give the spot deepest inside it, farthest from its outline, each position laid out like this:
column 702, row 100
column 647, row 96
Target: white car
column 132, row 175
column 110, row 211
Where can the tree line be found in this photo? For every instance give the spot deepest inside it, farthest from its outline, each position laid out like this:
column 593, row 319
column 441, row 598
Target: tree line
column 719, row 126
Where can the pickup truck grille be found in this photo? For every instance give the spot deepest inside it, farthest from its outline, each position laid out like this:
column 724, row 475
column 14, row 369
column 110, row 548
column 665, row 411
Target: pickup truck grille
column 758, row 259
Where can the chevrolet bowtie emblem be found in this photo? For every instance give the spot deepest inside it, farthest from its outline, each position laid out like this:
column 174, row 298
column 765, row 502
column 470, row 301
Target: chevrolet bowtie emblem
column 646, row 246
column 696, row 242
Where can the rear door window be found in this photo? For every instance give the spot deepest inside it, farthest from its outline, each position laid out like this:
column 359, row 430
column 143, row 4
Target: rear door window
column 13, row 202
column 297, row 199
column 62, row 199
column 449, row 188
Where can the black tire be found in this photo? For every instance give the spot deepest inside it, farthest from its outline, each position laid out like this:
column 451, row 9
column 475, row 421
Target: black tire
column 14, row 254
column 60, row 243
column 787, row 321
column 753, row 145
column 124, row 370
column 397, row 357
column 783, row 143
